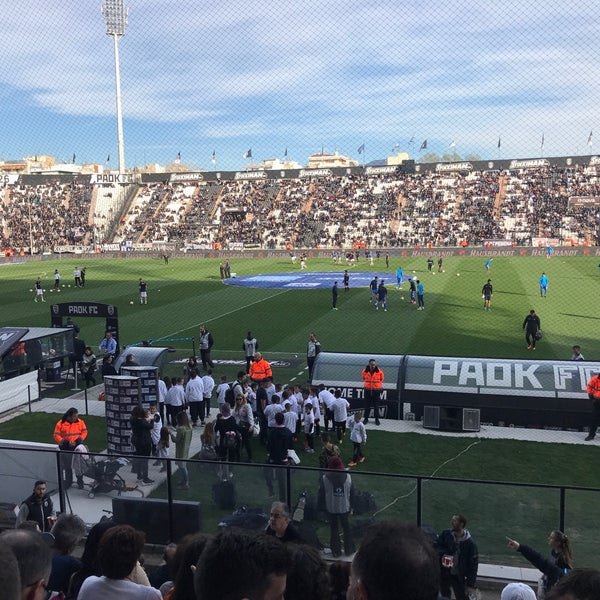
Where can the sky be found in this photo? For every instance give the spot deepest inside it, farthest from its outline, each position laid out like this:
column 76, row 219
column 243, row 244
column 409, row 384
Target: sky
column 330, row 75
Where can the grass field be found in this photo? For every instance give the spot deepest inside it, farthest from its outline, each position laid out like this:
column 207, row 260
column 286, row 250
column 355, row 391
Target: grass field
column 188, row 292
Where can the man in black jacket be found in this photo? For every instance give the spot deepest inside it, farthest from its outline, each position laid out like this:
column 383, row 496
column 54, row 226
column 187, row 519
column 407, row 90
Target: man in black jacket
column 38, row 507
column 459, row 559
column 531, row 325
column 279, row 440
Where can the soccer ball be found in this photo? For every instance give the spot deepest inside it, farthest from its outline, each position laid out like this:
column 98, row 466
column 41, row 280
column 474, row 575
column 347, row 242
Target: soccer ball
column 31, row 290
column 131, row 302
column 401, row 297
column 433, row 272
column 458, row 274
column 414, row 271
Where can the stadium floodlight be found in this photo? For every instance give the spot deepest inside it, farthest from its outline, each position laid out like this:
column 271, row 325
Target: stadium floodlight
column 115, row 16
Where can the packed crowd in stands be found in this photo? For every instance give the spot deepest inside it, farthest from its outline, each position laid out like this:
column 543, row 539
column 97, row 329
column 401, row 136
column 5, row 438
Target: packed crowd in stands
column 437, row 209
column 49, row 214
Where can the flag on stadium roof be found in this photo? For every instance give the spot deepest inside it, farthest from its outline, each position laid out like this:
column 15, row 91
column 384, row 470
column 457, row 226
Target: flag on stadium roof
column 178, row 159
column 396, row 146
column 590, row 138
column 412, row 140
column 361, row 148
column 423, row 146
column 542, row 145
column 285, row 153
column 108, row 158
column 74, row 157
column 452, row 144
column 248, row 154
column 213, row 158
column 499, row 141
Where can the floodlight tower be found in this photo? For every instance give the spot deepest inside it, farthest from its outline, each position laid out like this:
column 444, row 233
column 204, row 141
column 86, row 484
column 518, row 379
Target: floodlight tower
column 115, row 15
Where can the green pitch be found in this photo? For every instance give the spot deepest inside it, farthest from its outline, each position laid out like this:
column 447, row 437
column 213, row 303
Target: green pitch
column 188, row 292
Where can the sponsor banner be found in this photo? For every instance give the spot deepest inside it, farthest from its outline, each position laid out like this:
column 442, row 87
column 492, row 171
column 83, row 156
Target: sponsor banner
column 497, row 242
column 236, row 245
column 594, row 161
column 449, row 167
column 304, row 173
column 529, row 164
column 175, row 177
column 250, row 175
column 69, row 249
column 112, row 178
column 584, row 200
column 481, row 376
column 195, row 246
column 388, row 170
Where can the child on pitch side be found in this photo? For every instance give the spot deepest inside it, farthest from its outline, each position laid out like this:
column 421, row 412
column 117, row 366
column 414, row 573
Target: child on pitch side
column 309, row 428
column 162, row 448
column 358, row 437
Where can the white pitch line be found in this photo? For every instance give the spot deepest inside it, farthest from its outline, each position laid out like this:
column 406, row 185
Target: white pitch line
column 221, row 316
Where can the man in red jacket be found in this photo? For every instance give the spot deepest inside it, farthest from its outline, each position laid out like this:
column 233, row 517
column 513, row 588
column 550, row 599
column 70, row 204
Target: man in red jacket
column 373, row 381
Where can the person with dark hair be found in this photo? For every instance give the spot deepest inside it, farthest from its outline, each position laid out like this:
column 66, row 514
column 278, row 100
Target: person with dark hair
column 10, row 580
column 487, row 291
column 38, row 507
column 118, row 553
column 205, row 343
column 395, row 560
column 108, row 368
column 141, row 439
column 532, row 326
column 334, row 296
column 68, row 531
column 312, row 351
column 249, row 346
column 182, row 438
column 308, row 577
column 459, row 559
column 130, row 361
column 69, row 432
column 230, row 440
column 33, row 557
column 553, row 568
column 279, row 441
column 373, row 378
column 579, row 584
column 260, row 572
column 337, row 484
column 188, row 553
column 88, row 366
column 89, row 558
column 329, row 449
column 194, row 397
column 280, row 524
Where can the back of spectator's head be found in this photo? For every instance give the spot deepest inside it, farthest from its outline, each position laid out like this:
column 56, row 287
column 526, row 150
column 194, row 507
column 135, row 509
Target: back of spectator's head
column 261, row 565
column 89, row 558
column 119, row 550
column 33, row 558
column 279, row 418
column 67, row 531
column 188, row 552
column 517, row 591
column 308, row 576
column 578, row 584
column 10, row 580
column 395, row 560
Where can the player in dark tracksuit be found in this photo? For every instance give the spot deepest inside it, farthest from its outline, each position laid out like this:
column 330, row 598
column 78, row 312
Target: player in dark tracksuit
column 531, row 325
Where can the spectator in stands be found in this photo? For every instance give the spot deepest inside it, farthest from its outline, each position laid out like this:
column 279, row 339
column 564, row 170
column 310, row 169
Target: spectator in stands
column 118, row 553
column 10, row 580
column 308, row 577
column 395, row 560
column 459, row 559
column 553, row 568
column 280, row 525
column 68, row 531
column 189, row 550
column 261, row 567
column 34, row 560
column 579, row 584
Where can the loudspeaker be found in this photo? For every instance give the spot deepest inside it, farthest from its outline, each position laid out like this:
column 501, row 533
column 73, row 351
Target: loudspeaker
column 431, row 417
column 151, row 515
column 471, row 419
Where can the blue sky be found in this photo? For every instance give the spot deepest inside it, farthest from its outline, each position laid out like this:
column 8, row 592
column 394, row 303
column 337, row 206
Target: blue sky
column 334, row 74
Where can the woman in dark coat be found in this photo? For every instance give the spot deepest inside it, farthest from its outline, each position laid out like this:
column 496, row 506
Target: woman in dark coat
column 141, row 426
